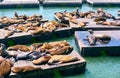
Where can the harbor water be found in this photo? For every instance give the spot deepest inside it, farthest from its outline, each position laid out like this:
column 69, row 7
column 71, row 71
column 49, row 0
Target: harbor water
column 97, row 67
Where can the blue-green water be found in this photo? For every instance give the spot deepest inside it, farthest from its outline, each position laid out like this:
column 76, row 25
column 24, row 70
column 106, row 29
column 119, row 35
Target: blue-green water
column 97, row 67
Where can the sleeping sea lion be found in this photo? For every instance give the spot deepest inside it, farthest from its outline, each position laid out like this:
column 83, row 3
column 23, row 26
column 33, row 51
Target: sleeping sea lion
column 58, row 59
column 61, row 50
column 82, row 24
column 99, row 19
column 5, row 68
column 23, row 69
column 23, row 48
column 115, row 23
column 42, row 60
column 73, row 20
column 108, row 23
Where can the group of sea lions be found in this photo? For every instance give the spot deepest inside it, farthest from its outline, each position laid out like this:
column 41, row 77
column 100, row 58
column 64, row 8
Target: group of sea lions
column 100, row 17
column 38, row 53
column 33, row 25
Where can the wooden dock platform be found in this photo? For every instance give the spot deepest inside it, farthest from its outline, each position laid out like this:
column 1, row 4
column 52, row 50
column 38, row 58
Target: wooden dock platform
column 104, row 2
column 91, row 25
column 62, row 2
column 19, row 3
column 85, row 49
column 23, row 38
column 65, row 69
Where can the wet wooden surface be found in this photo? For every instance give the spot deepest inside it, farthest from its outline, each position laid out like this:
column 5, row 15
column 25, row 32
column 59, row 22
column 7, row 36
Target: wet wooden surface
column 112, row 48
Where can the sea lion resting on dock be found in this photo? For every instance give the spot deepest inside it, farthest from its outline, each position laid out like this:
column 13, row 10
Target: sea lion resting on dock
column 55, row 59
column 5, row 68
column 3, row 52
column 108, row 23
column 23, row 69
column 61, row 47
column 23, row 48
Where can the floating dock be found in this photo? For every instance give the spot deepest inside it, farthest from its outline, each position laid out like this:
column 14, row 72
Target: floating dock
column 62, row 2
column 85, row 49
column 104, row 2
column 91, row 25
column 65, row 69
column 23, row 38
column 19, row 3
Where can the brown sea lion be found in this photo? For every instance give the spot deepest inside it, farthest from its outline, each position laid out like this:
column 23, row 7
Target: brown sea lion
column 58, row 59
column 42, row 60
column 59, row 15
column 23, row 48
column 61, row 50
column 82, row 24
column 23, row 69
column 73, row 20
column 99, row 19
column 99, row 10
column 108, row 23
column 115, row 23
column 5, row 68
column 35, row 46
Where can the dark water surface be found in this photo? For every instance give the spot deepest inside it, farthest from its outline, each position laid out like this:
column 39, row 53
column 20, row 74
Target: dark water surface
column 97, row 67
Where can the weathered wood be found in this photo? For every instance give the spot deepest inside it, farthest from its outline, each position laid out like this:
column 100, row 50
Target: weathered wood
column 77, row 67
column 85, row 49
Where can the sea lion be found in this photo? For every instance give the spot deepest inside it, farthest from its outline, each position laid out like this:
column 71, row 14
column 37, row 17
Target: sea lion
column 103, row 38
column 61, row 50
column 16, row 15
column 108, row 23
column 40, row 31
column 59, row 15
column 99, row 10
column 82, row 24
column 1, row 59
column 3, row 52
column 58, row 59
column 73, row 20
column 115, row 23
column 35, row 46
column 23, row 69
column 99, row 19
column 23, row 48
column 5, row 68
column 42, row 60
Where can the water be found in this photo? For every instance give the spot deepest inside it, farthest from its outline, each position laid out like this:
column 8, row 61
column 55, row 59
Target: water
column 97, row 67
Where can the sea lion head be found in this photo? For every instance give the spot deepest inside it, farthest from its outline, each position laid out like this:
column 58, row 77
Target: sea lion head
column 2, row 50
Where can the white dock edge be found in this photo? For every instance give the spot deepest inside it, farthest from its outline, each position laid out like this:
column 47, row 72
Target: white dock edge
column 67, row 2
column 14, row 3
column 100, row 2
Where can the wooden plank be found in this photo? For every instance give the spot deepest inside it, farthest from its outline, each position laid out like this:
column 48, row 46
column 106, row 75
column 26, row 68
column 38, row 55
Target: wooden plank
column 112, row 48
column 81, row 64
